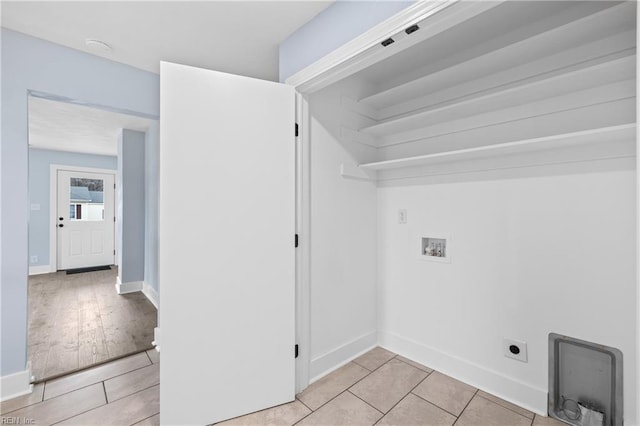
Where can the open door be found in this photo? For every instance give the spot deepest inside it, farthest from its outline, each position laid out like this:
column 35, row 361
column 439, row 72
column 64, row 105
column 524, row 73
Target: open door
column 227, row 260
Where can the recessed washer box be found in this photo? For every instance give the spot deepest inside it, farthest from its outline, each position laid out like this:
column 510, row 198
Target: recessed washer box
column 435, row 248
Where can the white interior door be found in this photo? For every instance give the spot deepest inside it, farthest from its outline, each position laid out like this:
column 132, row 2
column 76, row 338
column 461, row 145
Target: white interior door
column 85, row 219
column 227, row 260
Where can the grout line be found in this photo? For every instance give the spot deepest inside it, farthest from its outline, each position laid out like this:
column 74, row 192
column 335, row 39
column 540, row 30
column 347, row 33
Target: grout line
column 354, row 361
column 313, row 411
column 104, row 389
column 426, row 400
column 405, row 395
column 353, row 384
column 93, row 383
column 465, row 407
column 379, row 411
column 149, row 387
column 299, row 400
column 76, row 415
column 510, row 409
column 89, row 367
column 346, row 390
column 132, row 424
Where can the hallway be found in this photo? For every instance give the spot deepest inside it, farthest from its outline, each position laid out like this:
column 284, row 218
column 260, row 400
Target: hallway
column 79, row 320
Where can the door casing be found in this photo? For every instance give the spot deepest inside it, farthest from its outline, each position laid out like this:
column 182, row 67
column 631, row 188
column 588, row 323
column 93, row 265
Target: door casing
column 53, row 208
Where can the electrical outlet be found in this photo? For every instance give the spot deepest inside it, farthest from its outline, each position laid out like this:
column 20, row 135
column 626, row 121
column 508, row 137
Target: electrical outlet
column 34, row 259
column 402, row 216
column 515, row 349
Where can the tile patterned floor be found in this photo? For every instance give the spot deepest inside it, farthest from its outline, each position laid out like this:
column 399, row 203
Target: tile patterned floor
column 378, row 388
column 122, row 392
column 383, row 388
column 79, row 320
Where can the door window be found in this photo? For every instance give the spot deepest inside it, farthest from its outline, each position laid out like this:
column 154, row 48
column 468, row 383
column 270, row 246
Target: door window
column 86, row 199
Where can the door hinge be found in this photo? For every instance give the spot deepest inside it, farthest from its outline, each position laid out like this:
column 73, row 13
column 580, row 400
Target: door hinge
column 114, row 186
column 114, row 218
column 114, row 252
column 296, row 129
column 296, row 241
column 296, row 351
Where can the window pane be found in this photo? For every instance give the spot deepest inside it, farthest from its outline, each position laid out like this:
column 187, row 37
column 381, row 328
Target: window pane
column 87, row 199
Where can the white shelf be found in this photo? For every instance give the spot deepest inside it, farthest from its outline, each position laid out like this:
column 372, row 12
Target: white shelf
column 591, row 28
column 613, row 133
column 531, row 90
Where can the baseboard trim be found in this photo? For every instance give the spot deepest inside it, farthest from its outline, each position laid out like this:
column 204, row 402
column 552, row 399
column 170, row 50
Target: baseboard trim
column 336, row 358
column 493, row 382
column 130, row 287
column 151, row 294
column 40, row 269
column 16, row 384
column 156, row 338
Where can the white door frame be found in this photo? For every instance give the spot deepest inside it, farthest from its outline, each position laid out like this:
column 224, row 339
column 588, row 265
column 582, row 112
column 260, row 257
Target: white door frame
column 53, row 208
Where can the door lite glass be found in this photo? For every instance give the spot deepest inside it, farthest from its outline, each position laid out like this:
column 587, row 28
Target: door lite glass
column 86, row 199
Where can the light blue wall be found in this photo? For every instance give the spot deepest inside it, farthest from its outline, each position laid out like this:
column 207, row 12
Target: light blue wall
column 29, row 63
column 40, row 161
column 131, row 205
column 336, row 25
column 152, row 181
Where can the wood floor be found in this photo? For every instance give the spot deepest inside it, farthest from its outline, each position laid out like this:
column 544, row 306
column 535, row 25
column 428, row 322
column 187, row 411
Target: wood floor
column 79, row 320
column 379, row 388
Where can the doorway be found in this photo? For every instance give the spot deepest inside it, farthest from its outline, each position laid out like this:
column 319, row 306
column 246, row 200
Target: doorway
column 85, row 217
column 76, row 318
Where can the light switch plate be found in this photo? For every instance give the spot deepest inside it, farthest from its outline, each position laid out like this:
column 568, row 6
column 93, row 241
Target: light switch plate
column 402, row 216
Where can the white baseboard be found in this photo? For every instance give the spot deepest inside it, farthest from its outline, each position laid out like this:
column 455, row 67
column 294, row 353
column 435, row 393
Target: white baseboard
column 16, row 384
column 151, row 294
column 493, row 382
column 156, row 338
column 336, row 358
column 130, row 287
column 40, row 269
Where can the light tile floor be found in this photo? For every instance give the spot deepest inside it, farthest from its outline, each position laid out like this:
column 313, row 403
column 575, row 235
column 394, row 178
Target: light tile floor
column 122, row 392
column 379, row 388
column 383, row 388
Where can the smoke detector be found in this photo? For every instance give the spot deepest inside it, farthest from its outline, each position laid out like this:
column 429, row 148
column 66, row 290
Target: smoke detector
column 98, row 46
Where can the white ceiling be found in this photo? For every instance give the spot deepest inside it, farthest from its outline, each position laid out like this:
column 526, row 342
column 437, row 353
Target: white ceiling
column 62, row 126
column 239, row 37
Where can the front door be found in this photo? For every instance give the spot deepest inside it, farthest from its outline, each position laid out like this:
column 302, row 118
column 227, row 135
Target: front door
column 86, row 219
column 227, row 255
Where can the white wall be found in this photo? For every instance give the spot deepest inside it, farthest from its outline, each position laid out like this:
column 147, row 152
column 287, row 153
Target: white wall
column 530, row 256
column 343, row 246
